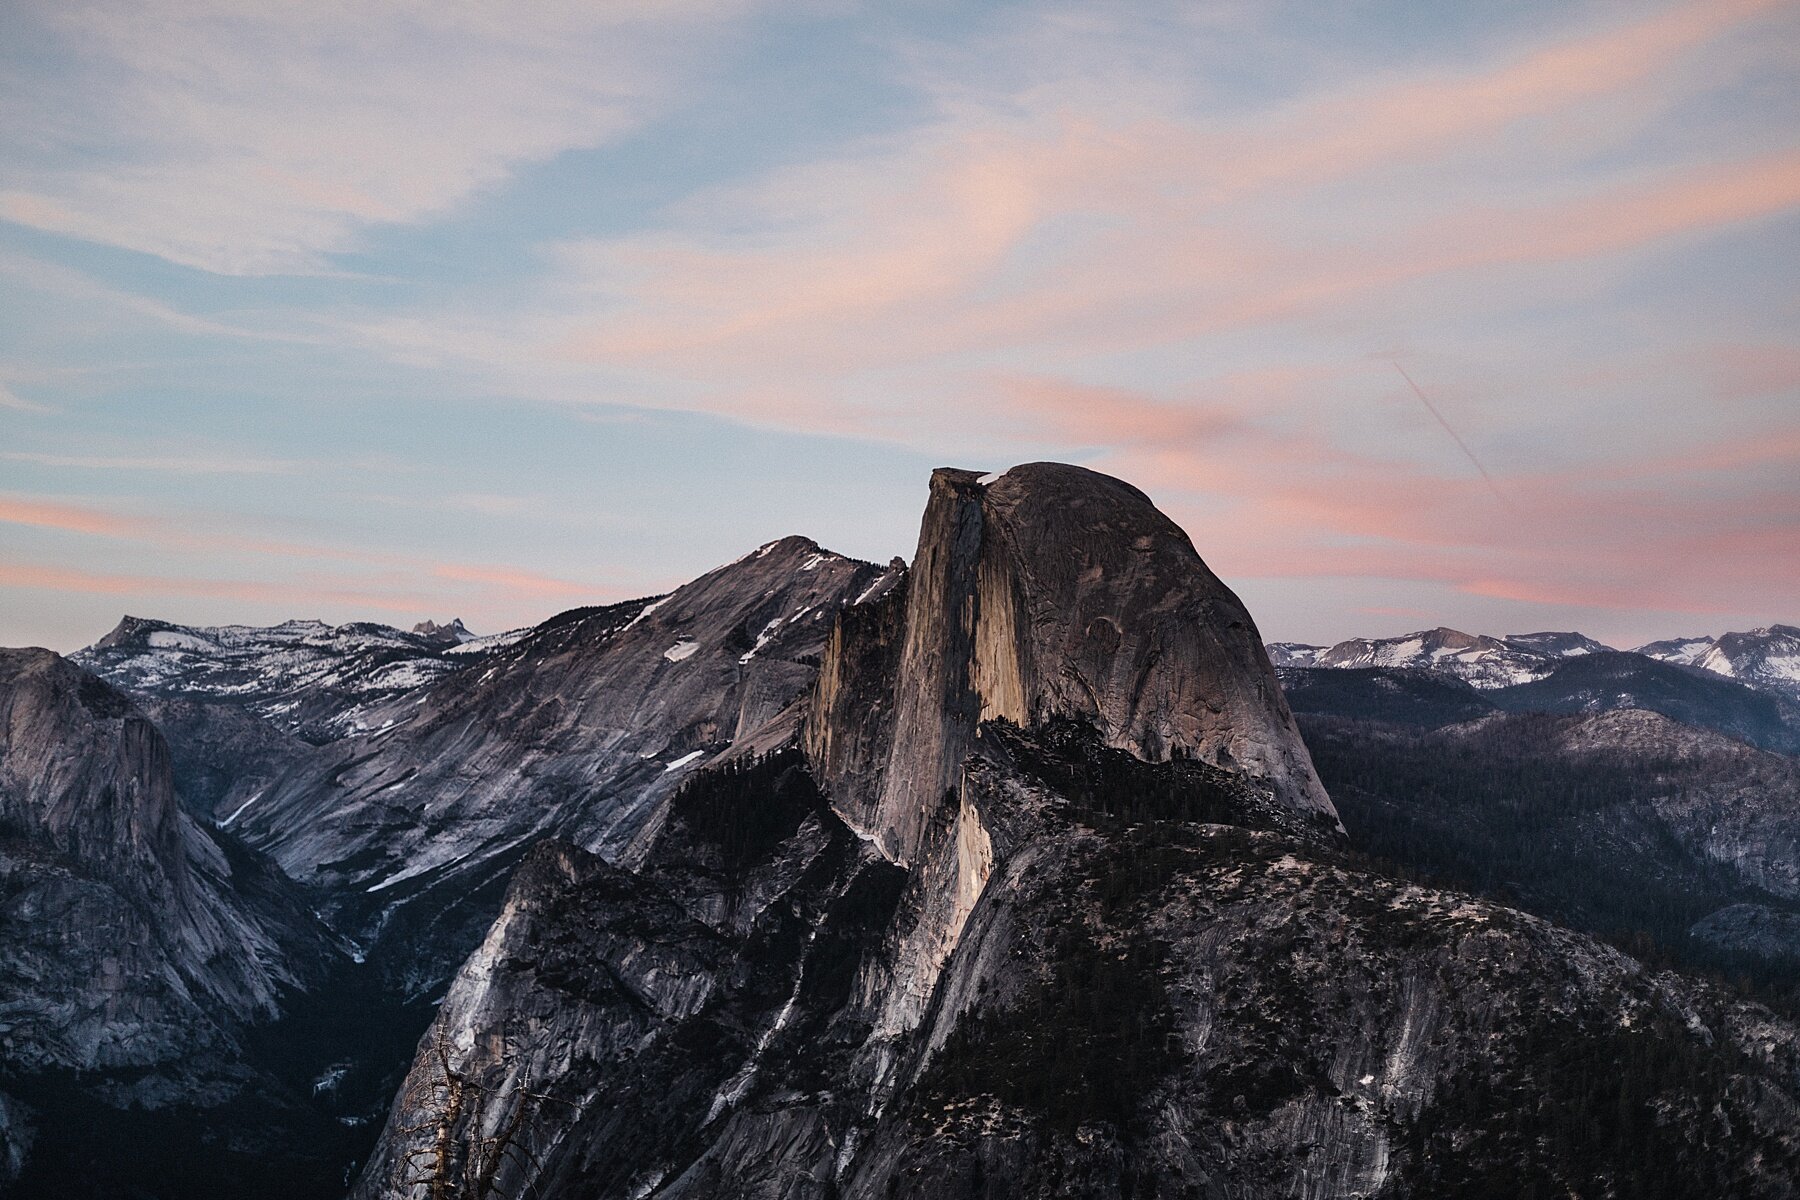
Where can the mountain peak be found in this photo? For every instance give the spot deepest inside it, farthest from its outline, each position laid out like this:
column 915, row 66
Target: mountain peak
column 1043, row 592
column 129, row 631
column 455, row 633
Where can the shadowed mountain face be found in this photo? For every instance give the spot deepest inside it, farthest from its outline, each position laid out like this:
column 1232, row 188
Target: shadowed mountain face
column 1625, row 824
column 1042, row 897
column 139, row 952
column 1611, row 681
column 100, row 852
column 1399, row 695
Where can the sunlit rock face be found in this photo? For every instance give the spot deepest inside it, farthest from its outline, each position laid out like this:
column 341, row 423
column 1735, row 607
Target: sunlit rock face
column 1049, row 592
column 1043, row 898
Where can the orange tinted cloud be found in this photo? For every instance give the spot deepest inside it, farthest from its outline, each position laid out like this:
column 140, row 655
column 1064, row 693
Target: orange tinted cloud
column 46, row 515
column 70, row 579
column 519, row 582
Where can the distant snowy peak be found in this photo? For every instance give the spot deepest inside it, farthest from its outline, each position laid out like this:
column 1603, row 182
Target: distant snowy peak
column 309, row 678
column 1477, row 659
column 1767, row 657
column 455, row 633
column 1294, row 654
column 1557, row 645
column 1685, row 651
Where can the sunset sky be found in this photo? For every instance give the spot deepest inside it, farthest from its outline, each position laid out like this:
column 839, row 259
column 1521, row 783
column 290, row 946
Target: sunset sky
column 389, row 311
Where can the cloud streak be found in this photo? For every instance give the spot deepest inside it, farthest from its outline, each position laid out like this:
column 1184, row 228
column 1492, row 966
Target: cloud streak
column 263, row 137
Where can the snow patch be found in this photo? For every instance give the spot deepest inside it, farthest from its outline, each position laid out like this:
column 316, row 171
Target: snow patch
column 681, row 650
column 683, row 761
column 762, row 639
column 239, row 811
column 646, row 611
column 168, row 639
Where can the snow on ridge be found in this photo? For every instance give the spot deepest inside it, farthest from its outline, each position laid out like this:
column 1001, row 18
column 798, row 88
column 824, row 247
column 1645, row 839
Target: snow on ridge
column 169, row 639
column 647, row 610
column 491, row 641
column 683, row 761
column 762, row 639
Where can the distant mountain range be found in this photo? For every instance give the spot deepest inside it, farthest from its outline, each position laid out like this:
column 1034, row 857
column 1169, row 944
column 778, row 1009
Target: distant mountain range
column 316, row 681
column 1767, row 658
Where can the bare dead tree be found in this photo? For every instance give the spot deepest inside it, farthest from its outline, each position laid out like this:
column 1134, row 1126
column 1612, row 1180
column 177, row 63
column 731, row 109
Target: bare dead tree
column 460, row 1161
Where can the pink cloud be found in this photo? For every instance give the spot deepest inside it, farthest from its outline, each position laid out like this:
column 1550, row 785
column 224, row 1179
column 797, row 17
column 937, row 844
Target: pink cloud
column 396, row 569
column 516, row 582
column 69, row 518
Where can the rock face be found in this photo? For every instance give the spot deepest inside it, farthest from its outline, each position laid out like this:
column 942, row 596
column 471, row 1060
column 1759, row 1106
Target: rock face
column 137, row 950
column 134, row 938
column 577, row 730
column 1613, row 681
column 1043, row 898
column 1051, row 592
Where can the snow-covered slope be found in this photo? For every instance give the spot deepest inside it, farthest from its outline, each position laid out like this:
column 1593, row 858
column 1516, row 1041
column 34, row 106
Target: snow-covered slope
column 316, row 681
column 1767, row 658
column 1485, row 662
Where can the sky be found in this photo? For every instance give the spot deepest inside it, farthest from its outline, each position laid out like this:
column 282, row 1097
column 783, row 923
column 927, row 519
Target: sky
column 1411, row 314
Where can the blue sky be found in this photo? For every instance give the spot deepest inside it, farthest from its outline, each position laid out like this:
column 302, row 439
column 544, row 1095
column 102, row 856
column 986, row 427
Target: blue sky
column 394, row 311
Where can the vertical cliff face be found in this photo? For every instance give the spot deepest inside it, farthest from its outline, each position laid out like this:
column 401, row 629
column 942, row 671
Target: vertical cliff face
column 1049, row 592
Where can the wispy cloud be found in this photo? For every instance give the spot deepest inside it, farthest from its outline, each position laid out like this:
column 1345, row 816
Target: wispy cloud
column 175, row 464
column 208, row 536
column 262, row 137
column 1057, row 219
column 71, row 518
column 14, row 402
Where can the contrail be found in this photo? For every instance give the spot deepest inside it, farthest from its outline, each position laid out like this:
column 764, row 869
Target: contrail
column 1467, row 453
